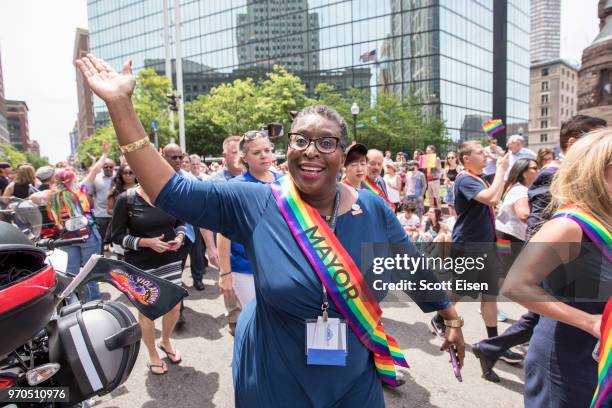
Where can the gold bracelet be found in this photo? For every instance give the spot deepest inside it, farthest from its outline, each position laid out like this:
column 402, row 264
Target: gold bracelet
column 454, row 323
column 139, row 144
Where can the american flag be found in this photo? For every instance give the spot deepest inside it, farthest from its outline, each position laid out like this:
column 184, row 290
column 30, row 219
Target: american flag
column 368, row 56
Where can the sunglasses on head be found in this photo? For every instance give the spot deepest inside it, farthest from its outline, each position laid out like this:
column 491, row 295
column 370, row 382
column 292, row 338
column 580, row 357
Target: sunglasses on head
column 271, row 130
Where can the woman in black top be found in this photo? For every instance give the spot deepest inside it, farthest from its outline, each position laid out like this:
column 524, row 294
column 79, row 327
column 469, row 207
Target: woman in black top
column 451, row 169
column 151, row 239
column 23, row 184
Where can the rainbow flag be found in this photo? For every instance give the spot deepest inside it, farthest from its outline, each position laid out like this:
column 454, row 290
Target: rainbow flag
column 341, row 278
column 503, row 246
column 428, row 161
column 603, row 392
column 491, row 127
column 591, row 226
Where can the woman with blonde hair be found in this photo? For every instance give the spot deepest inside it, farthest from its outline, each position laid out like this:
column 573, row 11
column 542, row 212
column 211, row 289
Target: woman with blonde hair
column 564, row 274
column 23, row 184
column 256, row 155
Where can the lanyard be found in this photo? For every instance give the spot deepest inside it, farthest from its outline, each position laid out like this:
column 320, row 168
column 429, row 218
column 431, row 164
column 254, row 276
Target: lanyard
column 332, row 226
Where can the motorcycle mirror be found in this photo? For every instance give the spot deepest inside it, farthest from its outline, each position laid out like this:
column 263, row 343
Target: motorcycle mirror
column 27, row 217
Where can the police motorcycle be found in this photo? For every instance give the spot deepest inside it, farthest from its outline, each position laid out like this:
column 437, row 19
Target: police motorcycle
column 54, row 353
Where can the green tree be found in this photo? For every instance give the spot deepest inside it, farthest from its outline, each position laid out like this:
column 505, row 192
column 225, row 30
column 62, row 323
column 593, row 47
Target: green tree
column 150, row 102
column 92, row 147
column 9, row 154
column 234, row 108
column 36, row 161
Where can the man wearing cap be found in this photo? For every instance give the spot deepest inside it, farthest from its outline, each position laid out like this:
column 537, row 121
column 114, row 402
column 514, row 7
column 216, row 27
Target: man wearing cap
column 46, row 176
column 5, row 172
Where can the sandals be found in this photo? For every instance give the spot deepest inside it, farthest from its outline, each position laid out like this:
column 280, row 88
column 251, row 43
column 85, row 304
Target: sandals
column 162, row 366
column 171, row 356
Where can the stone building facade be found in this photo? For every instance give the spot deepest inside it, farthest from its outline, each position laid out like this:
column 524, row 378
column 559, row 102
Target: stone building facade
column 595, row 75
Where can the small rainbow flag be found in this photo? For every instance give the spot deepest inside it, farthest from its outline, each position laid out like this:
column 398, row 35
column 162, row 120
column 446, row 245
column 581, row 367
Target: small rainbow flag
column 503, row 246
column 603, row 393
column 491, row 127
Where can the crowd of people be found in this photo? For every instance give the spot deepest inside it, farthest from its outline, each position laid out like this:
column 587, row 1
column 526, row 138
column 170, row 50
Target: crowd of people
column 155, row 209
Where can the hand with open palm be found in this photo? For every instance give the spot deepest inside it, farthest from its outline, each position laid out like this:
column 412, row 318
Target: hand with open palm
column 104, row 81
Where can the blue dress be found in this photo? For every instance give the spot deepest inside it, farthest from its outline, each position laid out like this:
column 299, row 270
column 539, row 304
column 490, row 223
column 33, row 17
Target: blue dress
column 269, row 366
column 560, row 371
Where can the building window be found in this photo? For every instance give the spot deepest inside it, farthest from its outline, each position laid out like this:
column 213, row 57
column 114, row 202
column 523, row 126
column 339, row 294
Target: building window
column 562, row 85
column 545, row 98
column 545, row 86
column 544, row 112
column 562, row 71
column 544, row 124
column 543, row 138
column 545, row 72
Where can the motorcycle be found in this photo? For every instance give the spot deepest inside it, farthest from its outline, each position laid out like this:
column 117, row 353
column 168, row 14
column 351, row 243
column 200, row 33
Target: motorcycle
column 54, row 353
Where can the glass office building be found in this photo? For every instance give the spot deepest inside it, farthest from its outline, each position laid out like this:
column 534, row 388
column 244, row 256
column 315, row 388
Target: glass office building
column 441, row 50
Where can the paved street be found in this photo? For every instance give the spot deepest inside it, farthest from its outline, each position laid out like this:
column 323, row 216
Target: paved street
column 204, row 377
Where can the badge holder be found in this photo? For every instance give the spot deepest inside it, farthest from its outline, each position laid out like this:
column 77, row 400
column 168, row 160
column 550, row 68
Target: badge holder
column 326, row 340
column 326, row 336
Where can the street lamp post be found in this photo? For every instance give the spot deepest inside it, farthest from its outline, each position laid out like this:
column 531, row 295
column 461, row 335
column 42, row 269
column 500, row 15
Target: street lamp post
column 355, row 112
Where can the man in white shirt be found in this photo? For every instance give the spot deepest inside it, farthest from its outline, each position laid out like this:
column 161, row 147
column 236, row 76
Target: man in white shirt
column 99, row 191
column 492, row 153
column 517, row 151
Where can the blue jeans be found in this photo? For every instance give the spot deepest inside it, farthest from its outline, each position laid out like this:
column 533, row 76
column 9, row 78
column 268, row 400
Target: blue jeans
column 78, row 255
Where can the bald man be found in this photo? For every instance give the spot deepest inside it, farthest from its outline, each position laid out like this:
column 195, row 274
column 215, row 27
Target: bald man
column 375, row 165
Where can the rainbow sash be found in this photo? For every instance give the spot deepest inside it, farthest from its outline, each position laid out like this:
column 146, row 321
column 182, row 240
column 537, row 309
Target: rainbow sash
column 341, row 277
column 367, row 184
column 603, row 392
column 595, row 230
column 503, row 246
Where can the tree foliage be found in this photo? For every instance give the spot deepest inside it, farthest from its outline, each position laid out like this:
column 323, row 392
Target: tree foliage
column 234, row 108
column 11, row 155
column 150, row 102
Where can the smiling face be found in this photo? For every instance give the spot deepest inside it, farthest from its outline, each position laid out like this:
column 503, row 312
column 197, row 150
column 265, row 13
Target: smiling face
column 314, row 172
column 258, row 154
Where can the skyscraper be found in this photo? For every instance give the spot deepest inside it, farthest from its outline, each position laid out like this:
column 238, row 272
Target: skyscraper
column 18, row 125
column 544, row 44
column 440, row 50
column 85, row 121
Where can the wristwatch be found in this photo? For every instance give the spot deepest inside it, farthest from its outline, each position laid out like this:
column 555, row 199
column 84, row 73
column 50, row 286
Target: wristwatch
column 454, row 323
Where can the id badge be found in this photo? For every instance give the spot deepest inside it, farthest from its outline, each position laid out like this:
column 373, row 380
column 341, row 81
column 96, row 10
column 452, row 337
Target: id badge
column 326, row 342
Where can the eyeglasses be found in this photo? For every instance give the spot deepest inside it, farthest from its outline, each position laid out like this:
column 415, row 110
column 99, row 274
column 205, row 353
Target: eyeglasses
column 175, row 157
column 324, row 145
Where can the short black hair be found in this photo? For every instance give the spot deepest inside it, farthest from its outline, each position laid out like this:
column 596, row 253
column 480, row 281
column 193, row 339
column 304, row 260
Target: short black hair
column 328, row 113
column 5, row 165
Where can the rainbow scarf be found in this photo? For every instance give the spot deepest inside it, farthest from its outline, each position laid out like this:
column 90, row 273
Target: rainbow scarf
column 66, row 202
column 552, row 166
column 341, row 278
column 603, row 392
column 591, row 226
column 367, row 184
column 503, row 246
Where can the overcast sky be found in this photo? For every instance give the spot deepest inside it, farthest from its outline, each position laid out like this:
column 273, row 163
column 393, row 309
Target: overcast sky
column 37, row 40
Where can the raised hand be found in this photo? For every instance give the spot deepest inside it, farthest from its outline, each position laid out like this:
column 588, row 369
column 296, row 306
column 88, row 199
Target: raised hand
column 104, row 81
